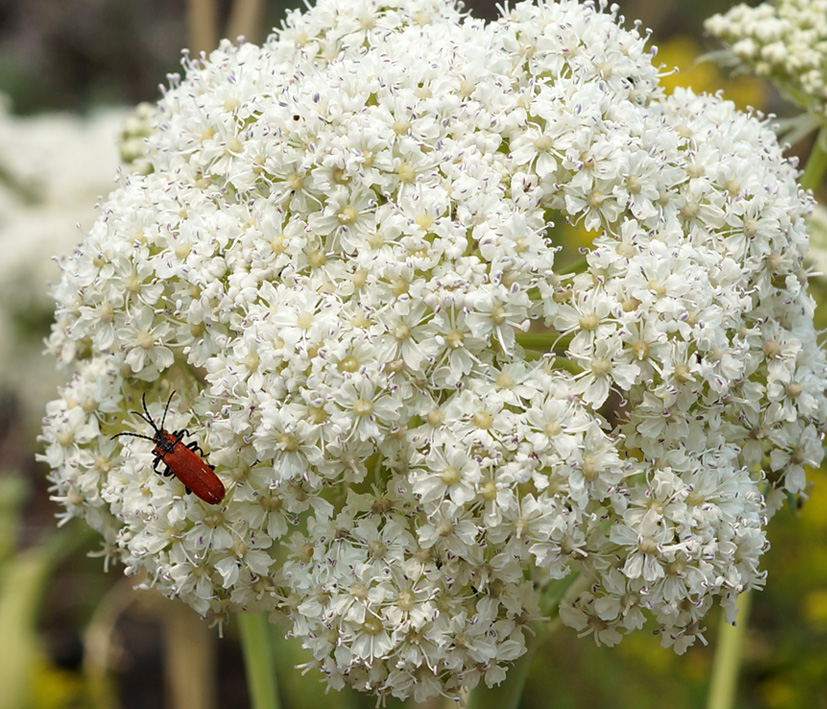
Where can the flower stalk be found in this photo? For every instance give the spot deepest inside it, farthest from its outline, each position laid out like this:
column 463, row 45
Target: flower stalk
column 245, row 20
column 816, row 166
column 259, row 660
column 728, row 657
column 508, row 694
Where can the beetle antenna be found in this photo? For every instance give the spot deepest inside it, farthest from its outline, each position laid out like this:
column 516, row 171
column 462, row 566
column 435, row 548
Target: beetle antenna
column 166, row 408
column 146, row 418
column 137, row 435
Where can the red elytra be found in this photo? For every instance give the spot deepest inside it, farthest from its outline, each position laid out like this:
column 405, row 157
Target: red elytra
column 181, row 460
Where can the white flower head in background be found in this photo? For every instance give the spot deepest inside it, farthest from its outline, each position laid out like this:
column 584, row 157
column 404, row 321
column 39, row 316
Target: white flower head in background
column 785, row 41
column 53, row 169
column 333, row 265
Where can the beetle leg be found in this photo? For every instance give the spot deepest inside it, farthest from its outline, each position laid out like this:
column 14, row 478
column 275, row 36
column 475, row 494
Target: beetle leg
column 166, row 473
column 196, row 448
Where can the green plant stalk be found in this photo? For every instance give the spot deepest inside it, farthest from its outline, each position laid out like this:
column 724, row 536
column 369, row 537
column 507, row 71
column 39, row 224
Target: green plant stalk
column 728, row 657
column 508, row 693
column 816, row 166
column 12, row 496
column 543, row 341
column 23, row 582
column 259, row 660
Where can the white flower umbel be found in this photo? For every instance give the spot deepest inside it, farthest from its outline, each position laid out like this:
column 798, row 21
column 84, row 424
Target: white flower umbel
column 334, row 264
column 785, row 41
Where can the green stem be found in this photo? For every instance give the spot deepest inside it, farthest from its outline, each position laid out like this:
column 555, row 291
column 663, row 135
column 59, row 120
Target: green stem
column 259, row 660
column 537, row 340
column 543, row 343
column 816, row 166
column 24, row 580
column 508, row 693
column 577, row 265
column 728, row 658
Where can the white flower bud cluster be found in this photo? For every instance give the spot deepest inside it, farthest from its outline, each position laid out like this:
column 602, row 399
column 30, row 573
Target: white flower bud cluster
column 136, row 128
column 785, row 41
column 334, row 264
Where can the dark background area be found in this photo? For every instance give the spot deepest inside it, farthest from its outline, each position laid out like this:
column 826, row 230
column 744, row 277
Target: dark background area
column 73, row 54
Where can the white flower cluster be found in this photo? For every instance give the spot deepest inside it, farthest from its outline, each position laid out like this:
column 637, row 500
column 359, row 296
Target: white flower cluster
column 343, row 266
column 53, row 168
column 134, row 132
column 786, row 41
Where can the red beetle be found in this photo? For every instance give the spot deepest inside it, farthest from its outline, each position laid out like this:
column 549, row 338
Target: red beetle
column 182, row 461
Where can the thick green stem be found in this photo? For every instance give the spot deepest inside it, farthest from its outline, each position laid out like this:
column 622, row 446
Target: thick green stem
column 259, row 660
column 578, row 265
column 508, row 693
column 190, row 655
column 816, row 166
column 728, row 658
column 545, row 343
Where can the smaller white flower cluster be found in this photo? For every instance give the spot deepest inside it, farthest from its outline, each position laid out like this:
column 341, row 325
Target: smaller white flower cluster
column 785, row 41
column 136, row 129
column 53, row 169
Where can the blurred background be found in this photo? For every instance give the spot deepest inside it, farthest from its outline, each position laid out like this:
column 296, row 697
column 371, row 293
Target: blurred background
column 75, row 635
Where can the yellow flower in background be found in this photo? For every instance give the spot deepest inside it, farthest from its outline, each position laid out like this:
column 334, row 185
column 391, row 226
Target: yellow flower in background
column 815, row 608
column 703, row 75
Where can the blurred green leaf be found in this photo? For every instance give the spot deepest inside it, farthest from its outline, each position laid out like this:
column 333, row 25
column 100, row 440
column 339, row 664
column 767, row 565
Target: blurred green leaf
column 24, row 579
